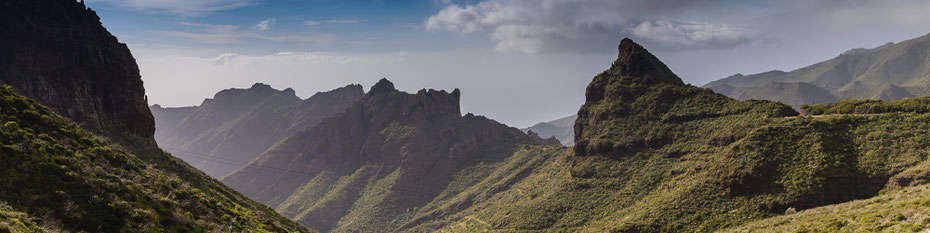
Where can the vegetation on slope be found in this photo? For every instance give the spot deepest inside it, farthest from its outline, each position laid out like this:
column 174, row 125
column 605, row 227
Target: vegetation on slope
column 905, row 210
column 655, row 155
column 852, row 106
column 888, row 72
column 377, row 165
column 77, row 182
column 15, row 221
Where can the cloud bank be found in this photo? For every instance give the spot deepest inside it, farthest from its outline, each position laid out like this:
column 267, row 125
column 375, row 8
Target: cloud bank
column 533, row 26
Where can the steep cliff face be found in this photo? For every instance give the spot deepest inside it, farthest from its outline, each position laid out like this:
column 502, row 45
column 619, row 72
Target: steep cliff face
column 365, row 169
column 57, row 173
column 58, row 53
column 237, row 125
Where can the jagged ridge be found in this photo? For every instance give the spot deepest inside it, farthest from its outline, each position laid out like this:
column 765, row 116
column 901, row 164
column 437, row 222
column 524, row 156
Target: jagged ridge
column 388, row 153
column 237, row 125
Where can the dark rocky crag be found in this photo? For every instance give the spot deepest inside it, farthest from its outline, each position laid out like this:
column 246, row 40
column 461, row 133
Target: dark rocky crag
column 237, row 125
column 58, row 53
column 639, row 95
column 364, row 170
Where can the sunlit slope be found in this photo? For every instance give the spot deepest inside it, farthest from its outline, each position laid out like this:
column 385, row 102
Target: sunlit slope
column 656, row 155
column 71, row 180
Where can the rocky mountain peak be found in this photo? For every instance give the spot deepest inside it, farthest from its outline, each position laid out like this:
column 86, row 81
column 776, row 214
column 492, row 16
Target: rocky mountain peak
column 635, row 61
column 260, row 86
column 383, row 85
column 386, row 104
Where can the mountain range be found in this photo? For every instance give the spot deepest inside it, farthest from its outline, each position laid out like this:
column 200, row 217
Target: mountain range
column 77, row 150
column 889, row 72
column 369, row 168
column 651, row 154
column 226, row 132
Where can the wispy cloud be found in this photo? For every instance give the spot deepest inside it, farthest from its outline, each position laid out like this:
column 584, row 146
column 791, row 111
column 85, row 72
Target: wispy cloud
column 334, row 21
column 180, row 7
column 226, row 34
column 281, row 57
column 264, row 25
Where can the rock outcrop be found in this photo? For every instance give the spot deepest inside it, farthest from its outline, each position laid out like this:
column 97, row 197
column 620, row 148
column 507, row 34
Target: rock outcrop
column 630, row 106
column 58, row 53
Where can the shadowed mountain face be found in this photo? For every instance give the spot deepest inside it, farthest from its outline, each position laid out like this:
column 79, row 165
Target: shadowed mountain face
column 226, row 132
column 366, row 169
column 889, row 72
column 56, row 175
column 57, row 53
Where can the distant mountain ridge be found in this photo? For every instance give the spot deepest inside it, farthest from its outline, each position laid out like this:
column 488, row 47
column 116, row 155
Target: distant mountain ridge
column 562, row 129
column 237, row 125
column 365, row 169
column 888, row 72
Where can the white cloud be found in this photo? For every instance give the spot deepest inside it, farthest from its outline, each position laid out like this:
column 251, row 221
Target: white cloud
column 683, row 35
column 264, row 25
column 180, row 7
column 281, row 57
column 533, row 26
column 332, row 21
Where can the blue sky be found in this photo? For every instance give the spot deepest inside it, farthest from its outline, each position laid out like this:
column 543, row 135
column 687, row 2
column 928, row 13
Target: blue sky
column 516, row 61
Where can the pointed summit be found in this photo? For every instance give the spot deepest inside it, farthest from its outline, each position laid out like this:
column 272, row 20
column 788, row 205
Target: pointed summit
column 636, row 62
column 383, row 85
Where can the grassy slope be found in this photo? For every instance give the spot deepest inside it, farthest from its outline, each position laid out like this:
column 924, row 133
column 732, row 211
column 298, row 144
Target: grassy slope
column 906, row 210
column 662, row 157
column 773, row 164
column 15, row 221
column 78, row 182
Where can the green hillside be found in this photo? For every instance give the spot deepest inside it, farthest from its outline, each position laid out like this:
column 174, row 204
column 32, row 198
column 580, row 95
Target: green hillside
column 793, row 94
column 888, row 72
column 906, row 210
column 68, row 179
column 655, row 155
